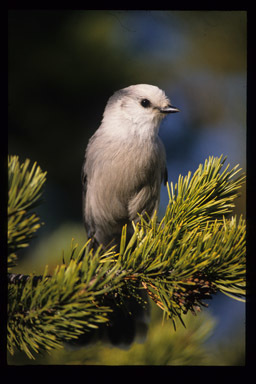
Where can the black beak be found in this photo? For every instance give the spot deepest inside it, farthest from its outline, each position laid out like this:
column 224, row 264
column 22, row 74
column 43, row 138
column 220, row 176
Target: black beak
column 169, row 109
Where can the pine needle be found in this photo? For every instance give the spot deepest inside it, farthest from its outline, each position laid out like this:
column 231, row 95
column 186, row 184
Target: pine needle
column 194, row 252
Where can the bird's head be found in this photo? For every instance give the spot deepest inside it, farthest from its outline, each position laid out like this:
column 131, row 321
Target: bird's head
column 137, row 109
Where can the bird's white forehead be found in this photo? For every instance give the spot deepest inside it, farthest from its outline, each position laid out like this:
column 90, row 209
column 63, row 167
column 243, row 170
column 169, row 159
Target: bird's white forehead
column 151, row 92
column 140, row 91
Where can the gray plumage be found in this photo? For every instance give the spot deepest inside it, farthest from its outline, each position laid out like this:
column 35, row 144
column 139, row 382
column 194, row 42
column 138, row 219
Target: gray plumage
column 125, row 163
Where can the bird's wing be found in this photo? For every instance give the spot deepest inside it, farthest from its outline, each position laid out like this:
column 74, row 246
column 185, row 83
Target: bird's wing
column 84, row 178
column 84, row 191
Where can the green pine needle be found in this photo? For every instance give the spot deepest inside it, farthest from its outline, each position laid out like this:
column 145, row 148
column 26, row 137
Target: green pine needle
column 194, row 252
column 25, row 190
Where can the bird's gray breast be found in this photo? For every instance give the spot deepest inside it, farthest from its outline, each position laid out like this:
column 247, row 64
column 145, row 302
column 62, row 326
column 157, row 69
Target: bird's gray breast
column 122, row 181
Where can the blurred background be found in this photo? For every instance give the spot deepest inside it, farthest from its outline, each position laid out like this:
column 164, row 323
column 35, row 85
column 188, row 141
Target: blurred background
column 63, row 67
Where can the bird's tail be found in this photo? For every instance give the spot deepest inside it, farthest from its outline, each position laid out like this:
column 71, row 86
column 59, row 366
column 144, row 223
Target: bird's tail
column 128, row 323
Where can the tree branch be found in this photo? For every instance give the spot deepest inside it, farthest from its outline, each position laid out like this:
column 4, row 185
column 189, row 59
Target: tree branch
column 190, row 255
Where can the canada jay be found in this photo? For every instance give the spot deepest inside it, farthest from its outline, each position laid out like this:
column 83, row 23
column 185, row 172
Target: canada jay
column 124, row 167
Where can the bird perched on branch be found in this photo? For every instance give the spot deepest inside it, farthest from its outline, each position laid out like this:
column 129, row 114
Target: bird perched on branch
column 125, row 164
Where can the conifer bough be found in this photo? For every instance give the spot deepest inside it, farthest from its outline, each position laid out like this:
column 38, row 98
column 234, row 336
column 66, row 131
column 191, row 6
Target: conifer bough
column 194, row 252
column 25, row 190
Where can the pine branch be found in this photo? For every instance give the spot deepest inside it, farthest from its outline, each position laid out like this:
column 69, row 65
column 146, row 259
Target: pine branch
column 190, row 255
column 59, row 307
column 181, row 269
column 25, row 189
column 207, row 196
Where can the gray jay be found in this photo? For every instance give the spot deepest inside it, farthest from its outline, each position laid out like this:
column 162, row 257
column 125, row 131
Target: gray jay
column 125, row 164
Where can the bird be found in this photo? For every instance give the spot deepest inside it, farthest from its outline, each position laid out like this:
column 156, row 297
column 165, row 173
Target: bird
column 123, row 169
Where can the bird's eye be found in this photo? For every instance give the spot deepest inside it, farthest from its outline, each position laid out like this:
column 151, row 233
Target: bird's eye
column 145, row 103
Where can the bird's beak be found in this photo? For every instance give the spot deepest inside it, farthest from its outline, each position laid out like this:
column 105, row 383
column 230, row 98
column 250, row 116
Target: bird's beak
column 169, row 109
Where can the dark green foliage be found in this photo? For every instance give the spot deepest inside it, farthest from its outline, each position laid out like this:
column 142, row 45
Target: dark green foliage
column 191, row 254
column 25, row 189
